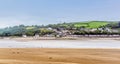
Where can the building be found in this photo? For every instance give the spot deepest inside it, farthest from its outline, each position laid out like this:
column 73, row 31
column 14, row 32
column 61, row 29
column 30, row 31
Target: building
column 24, row 35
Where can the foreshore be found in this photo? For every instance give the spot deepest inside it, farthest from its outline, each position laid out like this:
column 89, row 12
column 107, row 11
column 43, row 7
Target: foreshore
column 62, row 38
column 59, row 56
column 19, row 50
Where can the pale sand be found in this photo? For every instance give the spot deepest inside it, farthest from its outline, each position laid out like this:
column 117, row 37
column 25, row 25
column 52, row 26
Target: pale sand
column 61, row 44
column 59, row 56
column 63, row 38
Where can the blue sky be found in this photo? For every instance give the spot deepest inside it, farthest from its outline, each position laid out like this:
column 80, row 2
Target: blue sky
column 31, row 12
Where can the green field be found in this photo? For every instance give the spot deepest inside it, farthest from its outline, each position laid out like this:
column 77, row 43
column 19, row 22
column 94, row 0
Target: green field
column 89, row 24
column 28, row 28
column 92, row 24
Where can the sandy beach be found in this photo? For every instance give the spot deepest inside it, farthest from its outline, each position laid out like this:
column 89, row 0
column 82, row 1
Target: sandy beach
column 85, row 51
column 84, row 43
column 59, row 56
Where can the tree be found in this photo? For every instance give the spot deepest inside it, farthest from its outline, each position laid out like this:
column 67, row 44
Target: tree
column 44, row 31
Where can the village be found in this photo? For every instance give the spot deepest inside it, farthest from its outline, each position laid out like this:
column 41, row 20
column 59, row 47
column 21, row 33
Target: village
column 64, row 30
column 62, row 33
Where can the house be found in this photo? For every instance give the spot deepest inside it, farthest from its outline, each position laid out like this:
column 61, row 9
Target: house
column 101, row 29
column 36, row 36
column 94, row 29
column 24, row 35
column 108, row 29
column 115, row 30
column 49, row 28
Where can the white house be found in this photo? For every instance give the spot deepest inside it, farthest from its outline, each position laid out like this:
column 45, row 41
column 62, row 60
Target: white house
column 24, row 35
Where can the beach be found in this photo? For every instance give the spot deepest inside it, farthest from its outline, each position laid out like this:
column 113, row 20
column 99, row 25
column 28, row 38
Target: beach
column 104, row 43
column 59, row 56
column 83, row 51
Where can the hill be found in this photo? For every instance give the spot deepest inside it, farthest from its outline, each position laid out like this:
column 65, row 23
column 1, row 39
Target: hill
column 91, row 24
column 55, row 28
column 87, row 24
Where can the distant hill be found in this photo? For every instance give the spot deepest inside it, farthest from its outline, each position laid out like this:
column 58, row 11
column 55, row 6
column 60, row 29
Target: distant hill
column 91, row 24
column 49, row 29
column 87, row 24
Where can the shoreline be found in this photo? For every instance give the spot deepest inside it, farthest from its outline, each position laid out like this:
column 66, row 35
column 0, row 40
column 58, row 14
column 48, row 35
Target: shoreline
column 63, row 38
column 83, row 43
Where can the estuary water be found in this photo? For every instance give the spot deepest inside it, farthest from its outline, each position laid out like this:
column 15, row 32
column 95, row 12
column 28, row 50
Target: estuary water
column 60, row 44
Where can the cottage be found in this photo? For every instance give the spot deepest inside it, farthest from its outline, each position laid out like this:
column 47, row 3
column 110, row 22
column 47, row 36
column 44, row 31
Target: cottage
column 115, row 30
column 36, row 36
column 92, row 30
column 108, row 29
column 24, row 35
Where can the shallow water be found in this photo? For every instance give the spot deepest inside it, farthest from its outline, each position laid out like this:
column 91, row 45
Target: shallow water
column 60, row 44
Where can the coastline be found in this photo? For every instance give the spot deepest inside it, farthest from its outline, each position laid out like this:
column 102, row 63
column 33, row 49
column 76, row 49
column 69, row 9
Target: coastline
column 63, row 38
column 109, row 43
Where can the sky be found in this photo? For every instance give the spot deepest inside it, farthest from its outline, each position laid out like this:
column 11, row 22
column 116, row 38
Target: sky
column 38, row 12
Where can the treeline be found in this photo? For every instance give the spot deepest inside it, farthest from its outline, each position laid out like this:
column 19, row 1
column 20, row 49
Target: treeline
column 25, row 30
column 63, row 29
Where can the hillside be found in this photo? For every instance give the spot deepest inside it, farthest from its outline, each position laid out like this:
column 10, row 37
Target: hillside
column 89, row 24
column 54, row 28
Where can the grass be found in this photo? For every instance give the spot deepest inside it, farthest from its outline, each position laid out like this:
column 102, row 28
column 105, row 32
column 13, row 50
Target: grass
column 96, row 24
column 28, row 28
column 92, row 24
column 81, row 24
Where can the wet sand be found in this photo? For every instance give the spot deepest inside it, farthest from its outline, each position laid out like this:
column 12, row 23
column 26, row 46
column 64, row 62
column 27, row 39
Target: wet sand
column 110, row 44
column 63, row 38
column 59, row 56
